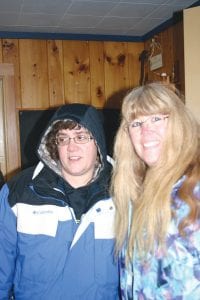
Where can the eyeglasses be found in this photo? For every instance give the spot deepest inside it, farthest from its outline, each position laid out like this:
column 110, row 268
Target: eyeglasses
column 155, row 120
column 63, row 140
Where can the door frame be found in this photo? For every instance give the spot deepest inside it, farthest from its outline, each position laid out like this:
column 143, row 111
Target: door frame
column 10, row 122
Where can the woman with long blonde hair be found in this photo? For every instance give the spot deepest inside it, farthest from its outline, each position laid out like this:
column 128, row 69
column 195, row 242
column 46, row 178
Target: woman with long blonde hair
column 156, row 189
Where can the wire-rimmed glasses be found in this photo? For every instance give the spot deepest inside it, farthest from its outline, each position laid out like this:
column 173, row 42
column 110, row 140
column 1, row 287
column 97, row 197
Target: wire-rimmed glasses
column 63, row 140
column 154, row 120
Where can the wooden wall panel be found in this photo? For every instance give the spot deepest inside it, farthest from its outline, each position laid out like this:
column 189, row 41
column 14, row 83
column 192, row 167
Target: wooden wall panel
column 179, row 66
column 116, row 72
column 97, row 74
column 49, row 73
column 11, row 55
column 168, row 54
column 165, row 39
column 134, row 68
column 55, row 72
column 76, row 71
column 34, row 73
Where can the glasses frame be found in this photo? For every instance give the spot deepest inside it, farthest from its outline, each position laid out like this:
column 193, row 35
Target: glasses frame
column 75, row 139
column 152, row 118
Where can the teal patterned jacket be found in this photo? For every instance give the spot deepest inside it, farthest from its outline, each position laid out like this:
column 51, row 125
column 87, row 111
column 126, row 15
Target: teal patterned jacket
column 174, row 275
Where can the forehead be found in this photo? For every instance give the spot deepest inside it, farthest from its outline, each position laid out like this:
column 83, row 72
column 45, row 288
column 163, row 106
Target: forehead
column 147, row 116
column 76, row 130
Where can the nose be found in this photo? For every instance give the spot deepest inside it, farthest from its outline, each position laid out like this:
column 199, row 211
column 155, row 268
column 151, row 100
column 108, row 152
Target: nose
column 71, row 145
column 146, row 125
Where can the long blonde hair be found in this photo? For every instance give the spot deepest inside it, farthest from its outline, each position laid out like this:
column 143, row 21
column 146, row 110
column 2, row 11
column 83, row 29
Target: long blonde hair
column 149, row 189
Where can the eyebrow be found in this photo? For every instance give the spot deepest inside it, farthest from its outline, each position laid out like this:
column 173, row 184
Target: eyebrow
column 77, row 131
column 150, row 115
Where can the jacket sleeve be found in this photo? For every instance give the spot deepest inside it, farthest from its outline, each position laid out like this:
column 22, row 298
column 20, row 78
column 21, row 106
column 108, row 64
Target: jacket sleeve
column 183, row 271
column 8, row 239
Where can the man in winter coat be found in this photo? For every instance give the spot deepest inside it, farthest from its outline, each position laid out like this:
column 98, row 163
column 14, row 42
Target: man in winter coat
column 56, row 220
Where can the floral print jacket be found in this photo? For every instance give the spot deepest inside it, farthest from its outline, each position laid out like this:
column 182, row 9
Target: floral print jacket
column 173, row 276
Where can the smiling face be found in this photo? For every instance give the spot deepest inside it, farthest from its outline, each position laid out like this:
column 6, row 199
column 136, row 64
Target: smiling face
column 78, row 160
column 147, row 134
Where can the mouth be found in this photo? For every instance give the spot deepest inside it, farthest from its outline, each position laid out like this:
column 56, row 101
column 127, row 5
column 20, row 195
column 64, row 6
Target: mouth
column 74, row 158
column 151, row 144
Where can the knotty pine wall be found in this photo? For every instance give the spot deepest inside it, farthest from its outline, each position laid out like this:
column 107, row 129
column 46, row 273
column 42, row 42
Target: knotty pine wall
column 49, row 73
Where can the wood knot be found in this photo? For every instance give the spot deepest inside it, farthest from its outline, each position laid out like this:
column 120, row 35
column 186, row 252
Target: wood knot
column 108, row 59
column 83, row 68
column 99, row 92
column 121, row 59
column 8, row 45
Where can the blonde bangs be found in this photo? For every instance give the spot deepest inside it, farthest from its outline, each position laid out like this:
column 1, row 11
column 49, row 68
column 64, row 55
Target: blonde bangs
column 144, row 102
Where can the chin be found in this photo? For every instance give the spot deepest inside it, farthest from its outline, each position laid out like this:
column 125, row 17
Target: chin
column 151, row 163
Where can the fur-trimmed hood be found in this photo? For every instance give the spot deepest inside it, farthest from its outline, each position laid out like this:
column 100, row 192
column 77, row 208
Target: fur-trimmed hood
column 87, row 116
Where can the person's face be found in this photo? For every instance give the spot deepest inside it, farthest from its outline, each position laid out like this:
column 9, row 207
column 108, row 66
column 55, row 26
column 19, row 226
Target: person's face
column 147, row 134
column 77, row 158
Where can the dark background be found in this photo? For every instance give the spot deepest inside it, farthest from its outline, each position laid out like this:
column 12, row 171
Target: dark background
column 33, row 122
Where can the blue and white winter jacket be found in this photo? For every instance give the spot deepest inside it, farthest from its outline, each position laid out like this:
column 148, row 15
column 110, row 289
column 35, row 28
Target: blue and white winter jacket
column 45, row 252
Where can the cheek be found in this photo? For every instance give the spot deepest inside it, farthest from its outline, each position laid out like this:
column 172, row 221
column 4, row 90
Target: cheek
column 135, row 140
column 90, row 152
column 163, row 131
column 138, row 150
column 136, row 144
column 61, row 152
